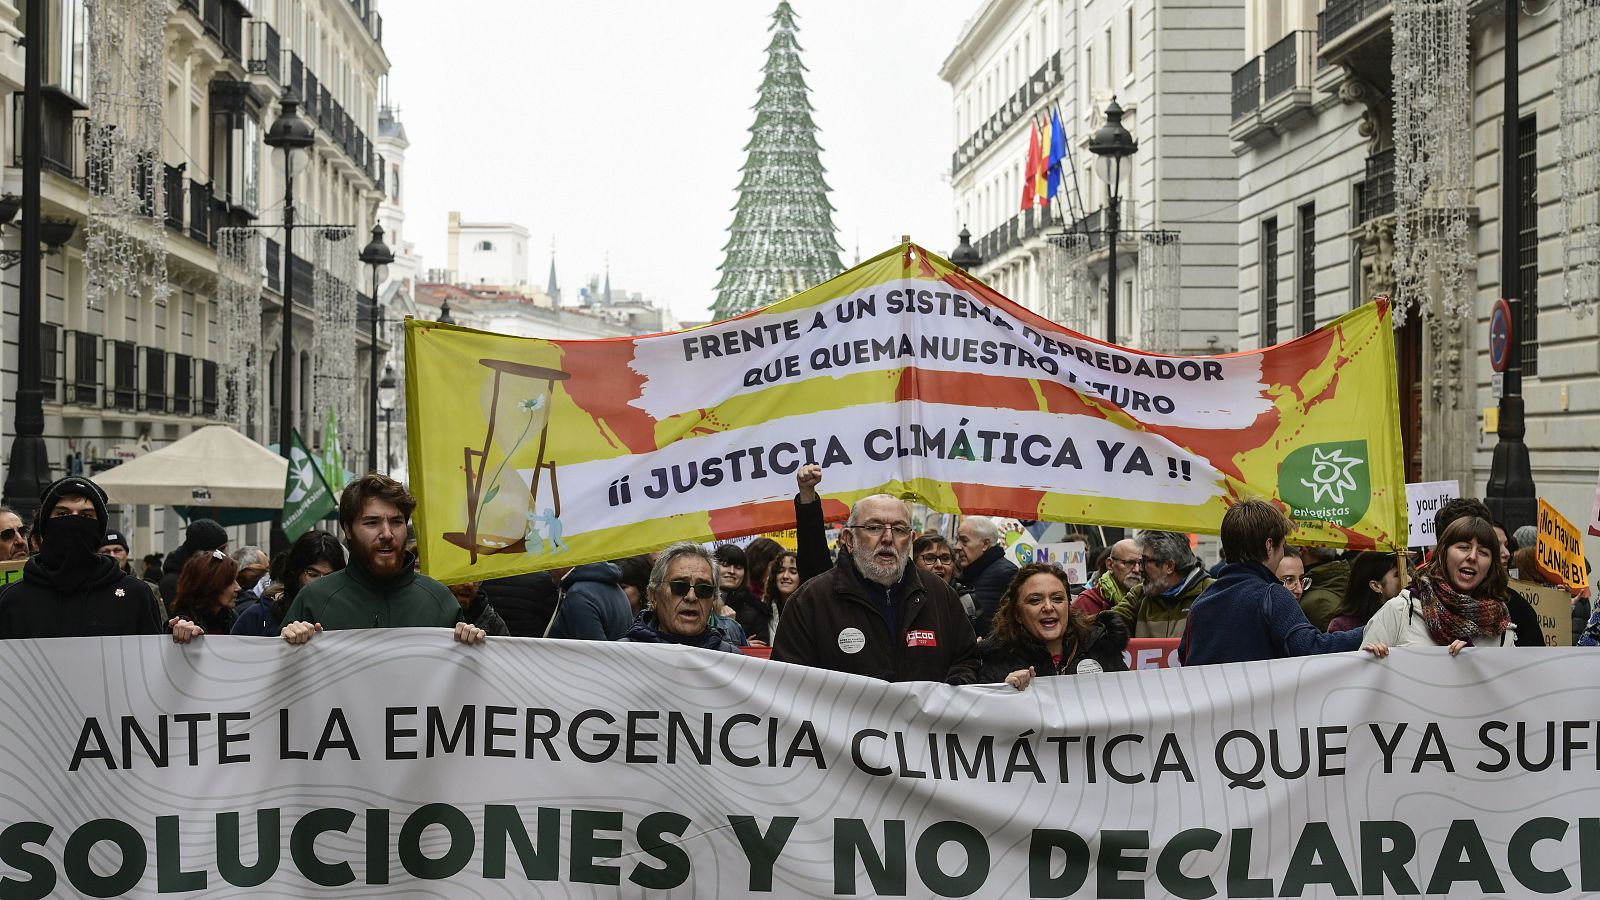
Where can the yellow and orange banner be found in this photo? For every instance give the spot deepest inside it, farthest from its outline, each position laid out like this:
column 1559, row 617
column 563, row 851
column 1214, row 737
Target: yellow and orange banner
column 903, row 375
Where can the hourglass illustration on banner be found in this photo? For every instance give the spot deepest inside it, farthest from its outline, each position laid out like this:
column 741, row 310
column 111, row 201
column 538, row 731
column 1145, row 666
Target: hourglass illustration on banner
column 511, row 521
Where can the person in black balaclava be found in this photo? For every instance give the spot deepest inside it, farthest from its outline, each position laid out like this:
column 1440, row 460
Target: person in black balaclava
column 68, row 589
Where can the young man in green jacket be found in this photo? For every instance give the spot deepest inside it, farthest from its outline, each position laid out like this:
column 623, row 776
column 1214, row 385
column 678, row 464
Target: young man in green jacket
column 381, row 588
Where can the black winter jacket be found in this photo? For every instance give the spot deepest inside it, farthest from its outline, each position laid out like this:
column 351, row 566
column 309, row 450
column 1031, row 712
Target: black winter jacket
column 1108, row 637
column 105, row 601
column 832, row 623
column 525, row 602
column 989, row 576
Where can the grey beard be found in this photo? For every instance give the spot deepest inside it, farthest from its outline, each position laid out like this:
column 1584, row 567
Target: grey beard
column 870, row 570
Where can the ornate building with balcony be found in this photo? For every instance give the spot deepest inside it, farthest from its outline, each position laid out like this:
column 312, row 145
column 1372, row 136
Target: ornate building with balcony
column 1166, row 62
column 129, row 371
column 1317, row 229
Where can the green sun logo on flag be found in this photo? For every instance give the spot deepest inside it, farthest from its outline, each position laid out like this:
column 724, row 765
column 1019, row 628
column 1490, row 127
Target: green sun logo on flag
column 1328, row 482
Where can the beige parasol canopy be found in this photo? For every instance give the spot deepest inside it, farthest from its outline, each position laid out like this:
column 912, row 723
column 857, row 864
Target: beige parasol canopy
column 215, row 466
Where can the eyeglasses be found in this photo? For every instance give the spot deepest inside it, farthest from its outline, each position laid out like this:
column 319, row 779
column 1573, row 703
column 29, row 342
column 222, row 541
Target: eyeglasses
column 703, row 590
column 1126, row 562
column 11, row 534
column 900, row 532
column 934, row 559
column 1305, row 580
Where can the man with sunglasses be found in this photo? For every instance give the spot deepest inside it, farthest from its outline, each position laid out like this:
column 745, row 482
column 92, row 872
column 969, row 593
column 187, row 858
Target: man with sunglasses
column 679, row 599
column 13, row 536
column 875, row 613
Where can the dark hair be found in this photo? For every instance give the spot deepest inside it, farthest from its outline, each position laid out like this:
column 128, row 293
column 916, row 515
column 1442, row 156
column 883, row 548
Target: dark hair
column 926, row 541
column 373, row 486
column 1248, row 525
column 771, row 594
column 729, row 555
column 1460, row 531
column 1511, row 541
column 1097, row 562
column 202, row 580
column 636, row 571
column 757, row 557
column 309, row 549
column 1360, row 601
column 1007, row 627
column 1458, row 508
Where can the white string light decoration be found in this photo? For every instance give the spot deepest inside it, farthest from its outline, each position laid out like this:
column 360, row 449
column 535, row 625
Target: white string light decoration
column 126, row 243
column 1433, row 157
column 239, row 275
column 1160, row 258
column 1578, row 92
column 333, row 297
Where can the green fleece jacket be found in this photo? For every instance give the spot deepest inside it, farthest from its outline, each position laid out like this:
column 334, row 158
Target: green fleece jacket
column 1326, row 593
column 354, row 598
column 1162, row 616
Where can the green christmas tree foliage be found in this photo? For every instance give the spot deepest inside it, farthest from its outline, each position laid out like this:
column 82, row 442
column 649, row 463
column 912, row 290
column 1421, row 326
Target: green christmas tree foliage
column 782, row 237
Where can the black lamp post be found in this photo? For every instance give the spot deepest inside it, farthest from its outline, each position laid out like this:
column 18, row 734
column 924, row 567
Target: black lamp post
column 444, row 313
column 1112, row 143
column 965, row 255
column 377, row 255
column 28, row 469
column 386, row 389
column 291, row 138
column 1510, row 493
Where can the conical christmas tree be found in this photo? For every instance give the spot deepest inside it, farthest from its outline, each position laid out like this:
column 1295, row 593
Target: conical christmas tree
column 782, row 238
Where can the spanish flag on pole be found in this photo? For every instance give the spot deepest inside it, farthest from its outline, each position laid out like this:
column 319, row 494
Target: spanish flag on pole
column 1034, row 171
column 1040, row 171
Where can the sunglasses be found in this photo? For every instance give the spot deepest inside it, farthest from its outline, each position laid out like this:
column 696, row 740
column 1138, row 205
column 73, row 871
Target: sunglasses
column 703, row 590
column 11, row 534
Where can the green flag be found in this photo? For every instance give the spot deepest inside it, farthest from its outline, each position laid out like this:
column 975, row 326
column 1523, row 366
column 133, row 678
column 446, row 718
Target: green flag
column 306, row 495
column 332, row 459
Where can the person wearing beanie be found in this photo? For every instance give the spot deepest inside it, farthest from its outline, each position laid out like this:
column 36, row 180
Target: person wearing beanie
column 115, row 546
column 202, row 536
column 68, row 589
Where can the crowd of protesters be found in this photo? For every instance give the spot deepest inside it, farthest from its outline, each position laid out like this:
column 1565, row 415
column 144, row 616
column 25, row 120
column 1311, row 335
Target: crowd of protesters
column 891, row 604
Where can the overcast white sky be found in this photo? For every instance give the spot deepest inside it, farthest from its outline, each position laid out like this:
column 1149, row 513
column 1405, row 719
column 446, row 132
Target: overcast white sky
column 619, row 126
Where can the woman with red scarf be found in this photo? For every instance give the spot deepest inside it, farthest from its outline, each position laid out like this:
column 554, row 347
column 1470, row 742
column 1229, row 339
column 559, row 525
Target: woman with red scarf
column 1458, row 599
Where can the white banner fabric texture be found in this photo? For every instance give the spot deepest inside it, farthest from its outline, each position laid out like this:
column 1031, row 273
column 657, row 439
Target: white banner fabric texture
column 398, row 763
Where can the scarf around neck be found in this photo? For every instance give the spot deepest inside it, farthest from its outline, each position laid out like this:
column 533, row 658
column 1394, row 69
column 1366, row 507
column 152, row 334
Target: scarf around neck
column 1452, row 616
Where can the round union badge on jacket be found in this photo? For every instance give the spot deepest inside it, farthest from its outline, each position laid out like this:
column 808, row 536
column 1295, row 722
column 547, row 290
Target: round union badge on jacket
column 851, row 640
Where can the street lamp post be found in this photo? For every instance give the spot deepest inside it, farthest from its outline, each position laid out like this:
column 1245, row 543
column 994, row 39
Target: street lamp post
column 377, row 255
column 28, row 469
column 386, row 389
column 965, row 255
column 1112, row 143
column 444, row 313
column 1510, row 493
column 291, row 138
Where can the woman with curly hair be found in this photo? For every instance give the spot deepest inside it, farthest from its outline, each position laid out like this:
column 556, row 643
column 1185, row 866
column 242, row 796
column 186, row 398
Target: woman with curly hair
column 1458, row 599
column 1036, row 632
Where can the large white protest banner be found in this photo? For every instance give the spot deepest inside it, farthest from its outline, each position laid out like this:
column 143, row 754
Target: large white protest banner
column 400, row 764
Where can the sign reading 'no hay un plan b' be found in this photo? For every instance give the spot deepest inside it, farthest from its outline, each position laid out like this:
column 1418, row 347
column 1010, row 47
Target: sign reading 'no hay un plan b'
column 903, row 375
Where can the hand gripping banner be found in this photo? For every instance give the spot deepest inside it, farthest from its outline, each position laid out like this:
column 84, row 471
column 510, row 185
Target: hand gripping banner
column 903, row 375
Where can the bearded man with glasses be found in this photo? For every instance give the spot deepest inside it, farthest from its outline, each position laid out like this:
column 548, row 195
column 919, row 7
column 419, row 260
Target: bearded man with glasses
column 679, row 599
column 875, row 613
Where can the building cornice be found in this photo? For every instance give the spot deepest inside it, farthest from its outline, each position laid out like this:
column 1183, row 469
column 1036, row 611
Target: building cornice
column 978, row 30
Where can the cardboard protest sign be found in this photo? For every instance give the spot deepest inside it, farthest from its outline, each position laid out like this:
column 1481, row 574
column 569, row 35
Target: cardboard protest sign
column 1559, row 551
column 1554, row 607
